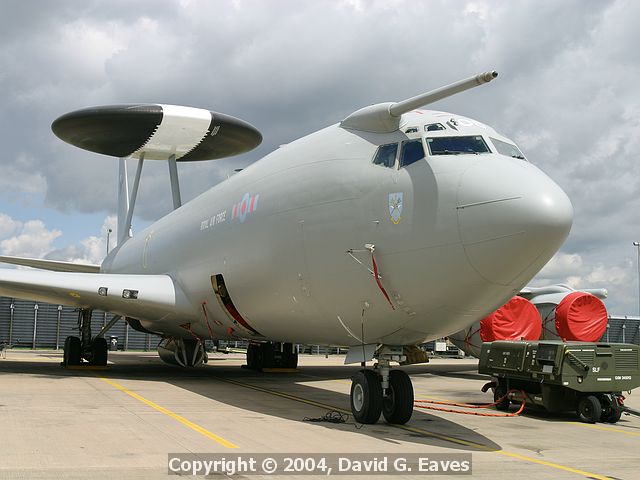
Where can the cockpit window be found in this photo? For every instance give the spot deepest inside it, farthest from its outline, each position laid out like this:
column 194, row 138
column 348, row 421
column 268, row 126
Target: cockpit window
column 507, row 149
column 412, row 151
column 472, row 144
column 432, row 127
column 386, row 155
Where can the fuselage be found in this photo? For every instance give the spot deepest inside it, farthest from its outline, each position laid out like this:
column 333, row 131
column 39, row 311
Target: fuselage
column 454, row 235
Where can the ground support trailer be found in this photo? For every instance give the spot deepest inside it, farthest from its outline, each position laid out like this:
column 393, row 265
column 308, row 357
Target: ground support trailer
column 587, row 378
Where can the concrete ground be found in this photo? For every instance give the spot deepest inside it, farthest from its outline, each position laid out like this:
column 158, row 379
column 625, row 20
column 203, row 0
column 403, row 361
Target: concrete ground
column 123, row 421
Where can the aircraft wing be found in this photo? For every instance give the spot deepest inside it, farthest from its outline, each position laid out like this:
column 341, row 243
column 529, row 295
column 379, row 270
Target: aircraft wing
column 53, row 265
column 138, row 296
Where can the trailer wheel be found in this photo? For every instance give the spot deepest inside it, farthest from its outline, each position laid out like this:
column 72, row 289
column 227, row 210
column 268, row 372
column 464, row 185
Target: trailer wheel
column 611, row 415
column 611, row 411
column 499, row 392
column 589, row 409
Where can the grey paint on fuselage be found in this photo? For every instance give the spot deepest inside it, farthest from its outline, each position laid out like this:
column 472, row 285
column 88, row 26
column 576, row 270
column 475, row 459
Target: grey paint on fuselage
column 473, row 230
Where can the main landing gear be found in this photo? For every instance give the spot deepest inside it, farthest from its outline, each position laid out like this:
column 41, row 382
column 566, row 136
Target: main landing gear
column 382, row 391
column 271, row 355
column 76, row 349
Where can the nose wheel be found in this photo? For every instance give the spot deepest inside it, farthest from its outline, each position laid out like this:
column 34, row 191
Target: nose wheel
column 366, row 397
column 397, row 405
column 381, row 391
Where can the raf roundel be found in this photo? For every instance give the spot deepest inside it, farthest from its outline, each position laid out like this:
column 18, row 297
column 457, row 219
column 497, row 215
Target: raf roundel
column 157, row 132
column 244, row 207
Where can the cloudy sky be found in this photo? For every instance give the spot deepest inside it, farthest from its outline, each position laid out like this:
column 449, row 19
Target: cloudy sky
column 568, row 93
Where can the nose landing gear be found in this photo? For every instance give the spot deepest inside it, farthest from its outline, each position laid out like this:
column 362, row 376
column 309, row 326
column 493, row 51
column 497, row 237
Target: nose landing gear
column 382, row 391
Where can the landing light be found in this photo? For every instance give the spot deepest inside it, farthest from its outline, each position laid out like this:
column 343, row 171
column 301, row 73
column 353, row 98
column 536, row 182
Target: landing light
column 130, row 294
column 102, row 291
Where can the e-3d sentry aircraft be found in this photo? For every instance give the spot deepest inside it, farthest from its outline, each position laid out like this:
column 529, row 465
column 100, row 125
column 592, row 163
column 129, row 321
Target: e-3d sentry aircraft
column 393, row 227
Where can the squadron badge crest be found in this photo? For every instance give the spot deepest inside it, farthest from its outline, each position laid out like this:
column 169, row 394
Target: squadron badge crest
column 395, row 207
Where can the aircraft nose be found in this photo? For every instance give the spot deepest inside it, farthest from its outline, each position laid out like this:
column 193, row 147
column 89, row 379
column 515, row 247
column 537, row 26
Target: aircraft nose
column 512, row 219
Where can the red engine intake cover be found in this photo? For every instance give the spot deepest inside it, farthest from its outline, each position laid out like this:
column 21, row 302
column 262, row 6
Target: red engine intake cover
column 581, row 316
column 516, row 320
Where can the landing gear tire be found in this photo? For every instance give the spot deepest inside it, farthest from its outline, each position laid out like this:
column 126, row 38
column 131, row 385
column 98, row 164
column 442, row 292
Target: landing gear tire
column 99, row 351
column 252, row 356
column 289, row 356
column 366, row 397
column 72, row 351
column 500, row 392
column 589, row 409
column 397, row 405
column 271, row 355
column 266, row 356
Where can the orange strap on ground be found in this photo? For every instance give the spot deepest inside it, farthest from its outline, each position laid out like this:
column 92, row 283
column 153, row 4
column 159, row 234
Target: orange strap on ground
column 420, row 404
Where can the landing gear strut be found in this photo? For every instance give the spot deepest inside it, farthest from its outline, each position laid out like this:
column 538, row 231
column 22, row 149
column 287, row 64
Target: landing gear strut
column 271, row 355
column 382, row 391
column 94, row 351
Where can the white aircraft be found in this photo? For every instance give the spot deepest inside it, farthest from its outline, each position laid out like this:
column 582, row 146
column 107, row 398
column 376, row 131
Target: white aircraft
column 390, row 228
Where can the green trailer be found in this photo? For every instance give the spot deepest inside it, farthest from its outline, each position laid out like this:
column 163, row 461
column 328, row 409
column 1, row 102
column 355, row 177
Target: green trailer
column 587, row 378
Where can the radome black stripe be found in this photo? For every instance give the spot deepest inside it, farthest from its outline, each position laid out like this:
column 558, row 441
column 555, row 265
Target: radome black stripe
column 115, row 130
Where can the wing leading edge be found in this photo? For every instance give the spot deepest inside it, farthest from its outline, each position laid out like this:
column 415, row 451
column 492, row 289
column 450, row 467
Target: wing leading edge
column 151, row 297
column 53, row 265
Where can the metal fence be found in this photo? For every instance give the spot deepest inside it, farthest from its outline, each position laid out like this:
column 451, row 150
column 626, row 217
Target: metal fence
column 623, row 330
column 25, row 323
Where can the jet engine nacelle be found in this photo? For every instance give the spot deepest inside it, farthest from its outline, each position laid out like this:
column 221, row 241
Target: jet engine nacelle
column 517, row 319
column 182, row 352
column 562, row 314
column 568, row 314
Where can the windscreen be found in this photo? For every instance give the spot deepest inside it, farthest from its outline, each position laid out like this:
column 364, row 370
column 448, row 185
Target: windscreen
column 472, row 144
column 507, row 149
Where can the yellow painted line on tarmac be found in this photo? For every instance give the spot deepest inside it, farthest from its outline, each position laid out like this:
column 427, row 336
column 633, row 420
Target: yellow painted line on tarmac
column 348, row 412
column 169, row 413
column 477, row 446
column 284, row 395
column 459, row 441
column 552, row 465
column 487, row 449
column 327, row 379
column 606, row 429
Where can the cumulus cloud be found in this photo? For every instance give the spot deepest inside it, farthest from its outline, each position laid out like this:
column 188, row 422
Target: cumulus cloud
column 31, row 240
column 91, row 249
column 566, row 93
column 7, row 225
column 573, row 270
